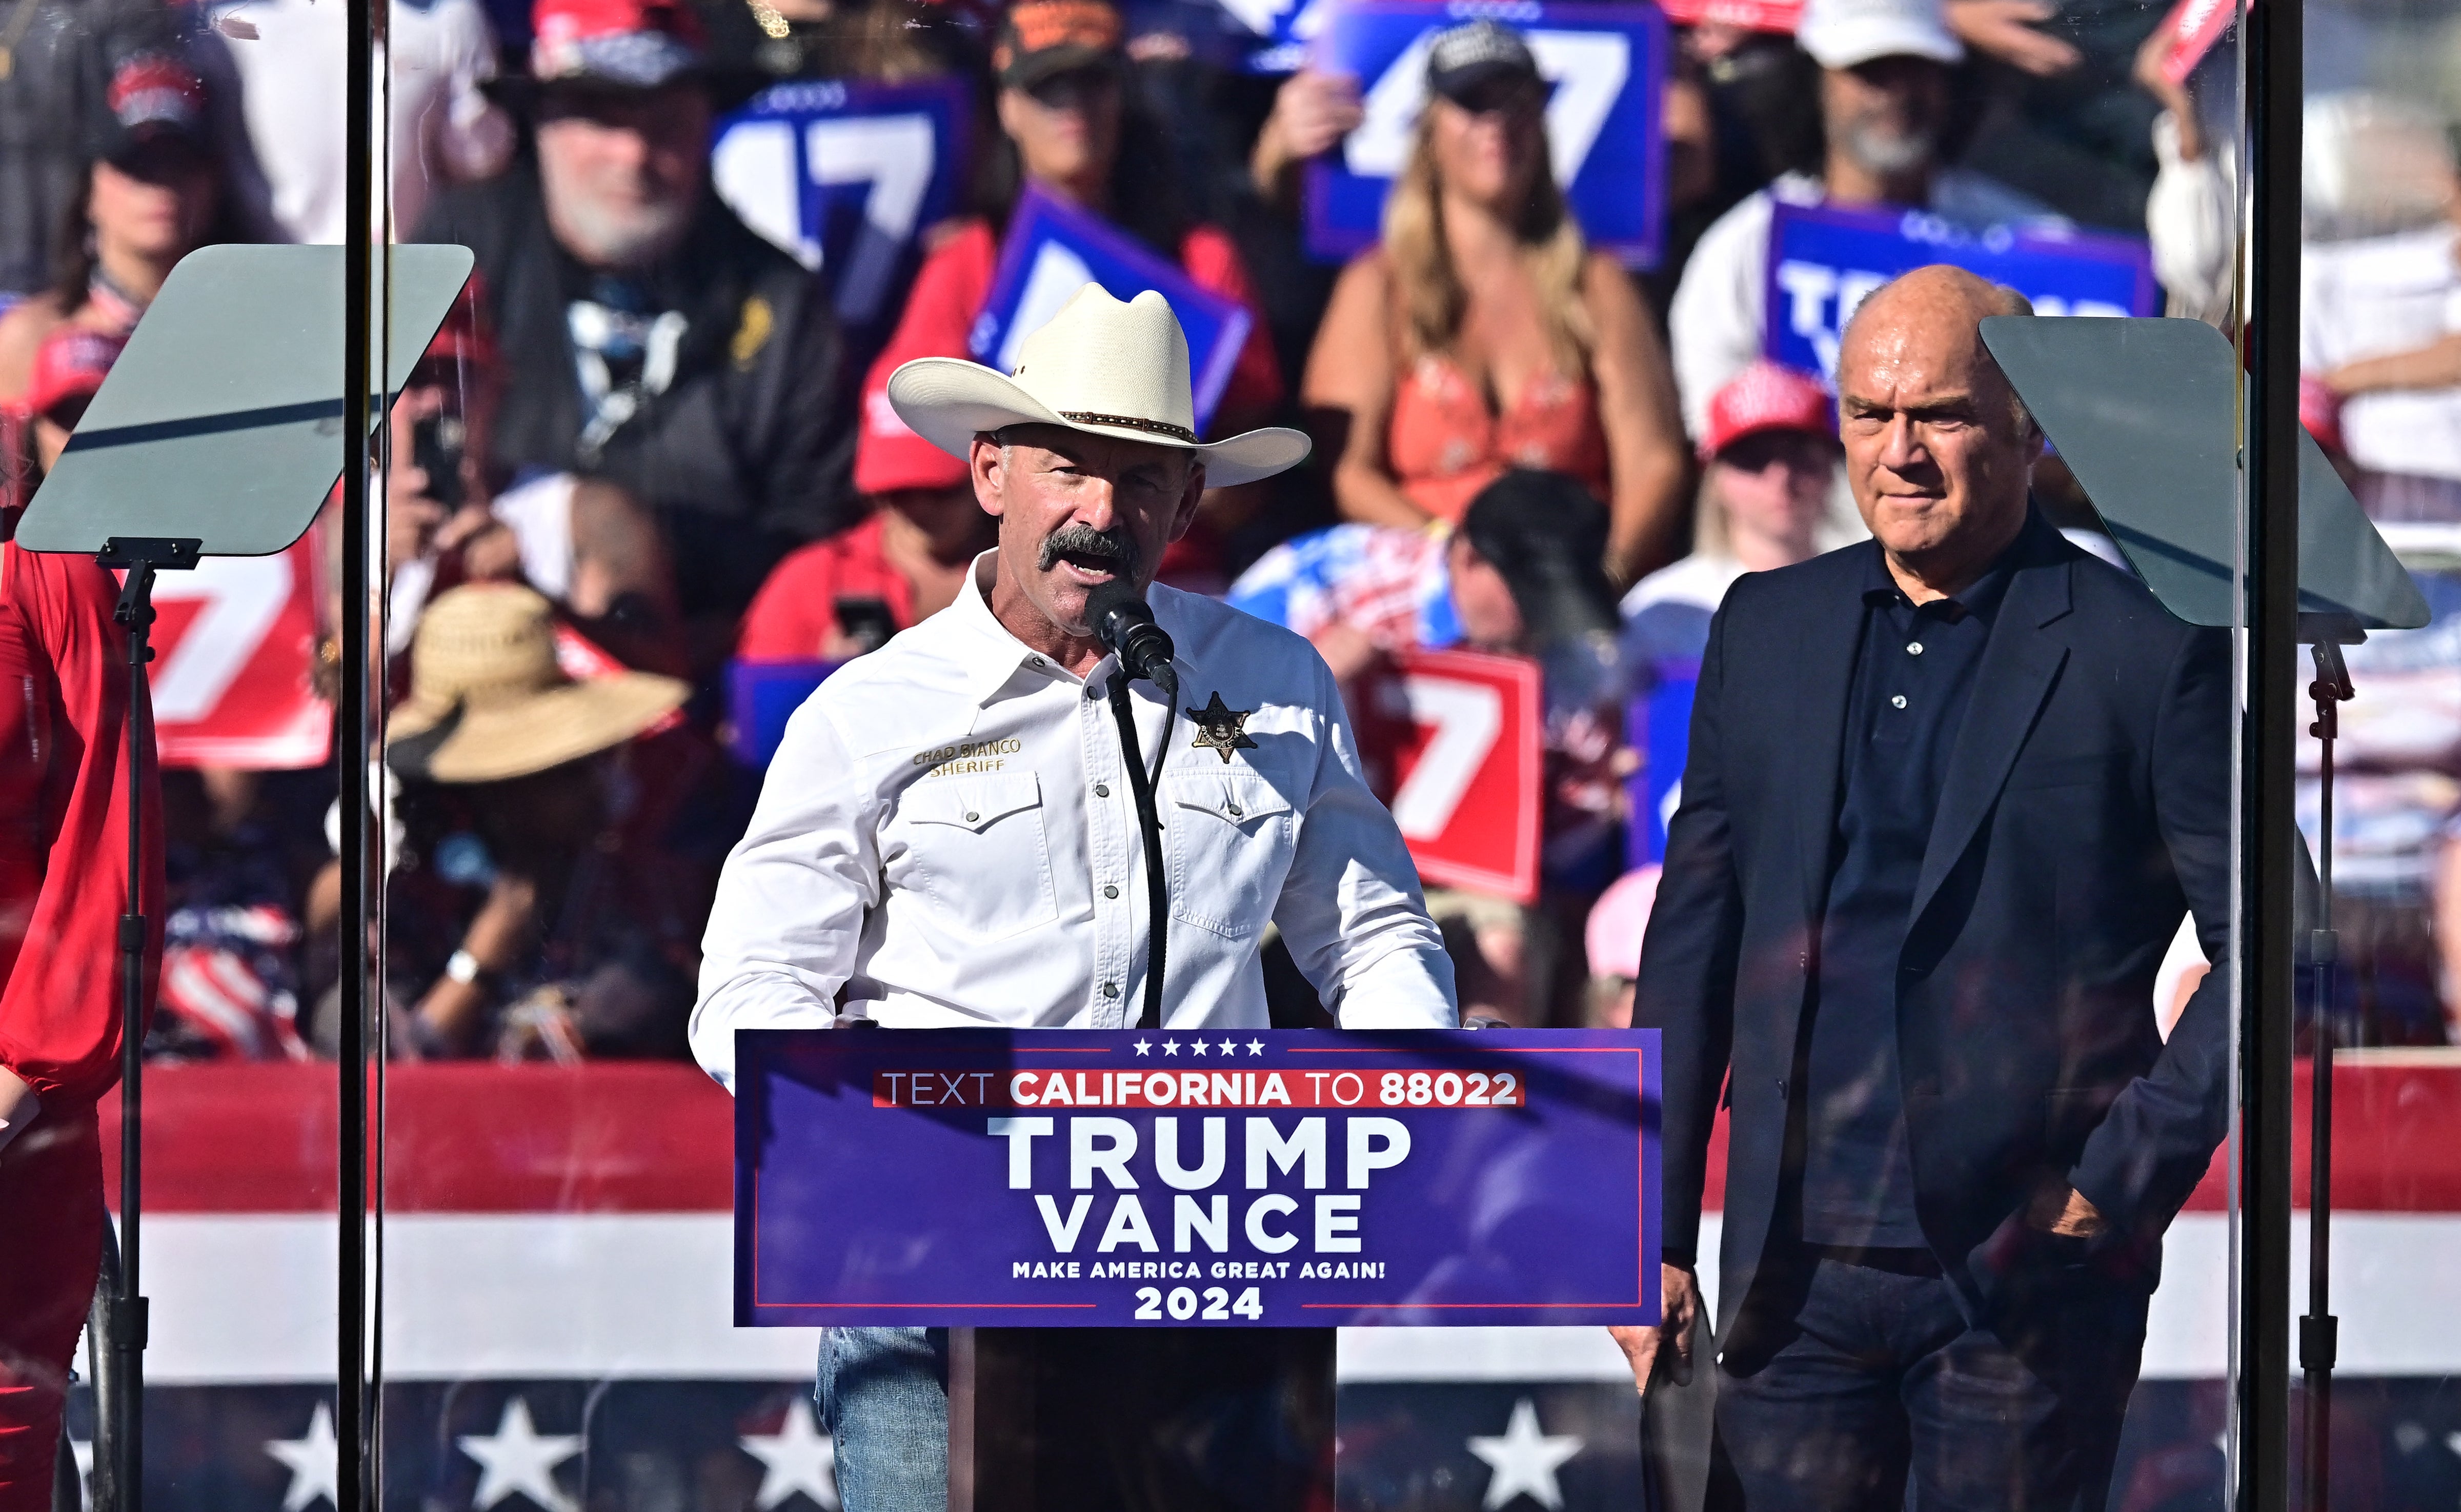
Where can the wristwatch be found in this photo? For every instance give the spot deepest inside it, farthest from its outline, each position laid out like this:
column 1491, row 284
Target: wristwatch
column 463, row 968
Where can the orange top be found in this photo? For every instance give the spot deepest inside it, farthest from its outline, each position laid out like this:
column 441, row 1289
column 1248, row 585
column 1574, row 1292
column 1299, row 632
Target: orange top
column 1445, row 444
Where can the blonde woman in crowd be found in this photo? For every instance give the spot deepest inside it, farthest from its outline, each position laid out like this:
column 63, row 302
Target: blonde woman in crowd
column 1484, row 334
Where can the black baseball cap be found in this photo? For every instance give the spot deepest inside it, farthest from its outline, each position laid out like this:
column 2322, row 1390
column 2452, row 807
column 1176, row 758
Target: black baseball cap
column 1547, row 535
column 152, row 99
column 1042, row 39
column 1484, row 52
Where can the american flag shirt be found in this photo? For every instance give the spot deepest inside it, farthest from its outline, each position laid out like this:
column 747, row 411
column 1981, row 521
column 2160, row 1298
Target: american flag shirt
column 1391, row 585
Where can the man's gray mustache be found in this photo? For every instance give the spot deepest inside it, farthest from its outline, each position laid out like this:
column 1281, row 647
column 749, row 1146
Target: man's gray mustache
column 1085, row 540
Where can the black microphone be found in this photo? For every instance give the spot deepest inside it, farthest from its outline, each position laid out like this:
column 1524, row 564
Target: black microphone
column 1127, row 628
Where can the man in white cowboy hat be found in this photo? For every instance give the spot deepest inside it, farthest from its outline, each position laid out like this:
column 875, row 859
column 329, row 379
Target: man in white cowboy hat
column 948, row 836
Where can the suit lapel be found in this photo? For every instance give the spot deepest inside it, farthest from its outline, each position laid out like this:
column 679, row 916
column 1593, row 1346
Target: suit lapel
column 1823, row 671
column 2019, row 665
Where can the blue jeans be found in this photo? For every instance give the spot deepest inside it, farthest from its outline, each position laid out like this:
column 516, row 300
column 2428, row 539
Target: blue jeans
column 883, row 1393
column 1868, row 1378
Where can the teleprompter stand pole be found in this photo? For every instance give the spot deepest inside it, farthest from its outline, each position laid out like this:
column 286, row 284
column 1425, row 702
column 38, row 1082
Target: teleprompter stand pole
column 141, row 557
column 2319, row 1330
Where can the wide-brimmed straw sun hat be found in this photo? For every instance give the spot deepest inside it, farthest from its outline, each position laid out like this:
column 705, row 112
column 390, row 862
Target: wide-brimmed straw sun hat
column 490, row 701
column 1102, row 367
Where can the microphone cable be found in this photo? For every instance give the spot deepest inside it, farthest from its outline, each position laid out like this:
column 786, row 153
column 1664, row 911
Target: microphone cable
column 1156, row 895
column 1125, row 627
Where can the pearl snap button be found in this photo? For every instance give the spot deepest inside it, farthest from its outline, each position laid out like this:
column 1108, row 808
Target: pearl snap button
column 1110, row 891
column 1110, row 989
column 972, row 816
column 1235, row 810
column 1914, row 648
column 1102, row 790
column 1898, row 702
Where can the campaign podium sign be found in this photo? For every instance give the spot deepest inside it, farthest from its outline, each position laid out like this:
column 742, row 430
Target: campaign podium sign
column 1824, row 261
column 1451, row 742
column 234, row 683
column 1216, row 1178
column 1606, row 63
column 844, row 175
column 1053, row 249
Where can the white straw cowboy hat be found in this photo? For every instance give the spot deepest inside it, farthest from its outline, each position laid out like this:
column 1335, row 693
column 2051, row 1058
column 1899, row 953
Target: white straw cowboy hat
column 1101, row 367
column 489, row 699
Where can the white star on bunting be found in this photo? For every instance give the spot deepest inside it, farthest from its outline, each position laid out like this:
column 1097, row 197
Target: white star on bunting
column 1201, row 1047
column 518, row 1460
column 1524, row 1461
column 1230, row 1048
column 1256, row 1046
column 1171, row 1047
column 796, row 1458
column 1143, row 1045
column 315, row 1462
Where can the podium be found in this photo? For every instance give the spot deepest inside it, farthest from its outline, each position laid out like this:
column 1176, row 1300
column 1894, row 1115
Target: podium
column 1140, row 1241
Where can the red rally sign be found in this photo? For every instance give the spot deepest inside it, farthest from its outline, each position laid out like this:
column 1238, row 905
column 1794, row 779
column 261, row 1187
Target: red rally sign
column 1451, row 744
column 236, row 646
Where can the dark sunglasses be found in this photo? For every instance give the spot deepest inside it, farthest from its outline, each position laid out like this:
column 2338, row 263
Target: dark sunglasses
column 1075, row 87
column 1508, row 94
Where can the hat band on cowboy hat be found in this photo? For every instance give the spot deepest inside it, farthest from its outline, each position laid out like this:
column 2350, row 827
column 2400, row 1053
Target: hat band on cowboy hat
column 1102, row 366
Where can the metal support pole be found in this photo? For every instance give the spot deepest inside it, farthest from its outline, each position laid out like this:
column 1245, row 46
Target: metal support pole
column 358, row 286
column 2266, row 786
column 2319, row 1330
column 134, row 613
column 125, row 1321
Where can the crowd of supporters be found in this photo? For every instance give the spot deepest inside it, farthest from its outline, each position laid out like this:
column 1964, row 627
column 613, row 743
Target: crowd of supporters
column 650, row 454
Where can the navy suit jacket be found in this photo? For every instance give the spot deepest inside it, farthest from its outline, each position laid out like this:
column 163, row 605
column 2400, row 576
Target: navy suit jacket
column 2086, row 808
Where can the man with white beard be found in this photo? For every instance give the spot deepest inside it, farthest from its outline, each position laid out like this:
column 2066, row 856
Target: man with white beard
column 1884, row 96
column 651, row 338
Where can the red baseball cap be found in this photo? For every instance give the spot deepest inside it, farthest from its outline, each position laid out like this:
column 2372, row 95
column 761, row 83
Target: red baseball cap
column 630, row 44
column 1617, row 921
column 2320, row 410
column 888, row 455
column 70, row 364
column 1766, row 396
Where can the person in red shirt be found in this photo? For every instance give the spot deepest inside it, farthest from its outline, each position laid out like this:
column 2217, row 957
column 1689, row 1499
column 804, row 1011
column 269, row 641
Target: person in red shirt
column 1068, row 128
column 64, row 795
column 840, row 597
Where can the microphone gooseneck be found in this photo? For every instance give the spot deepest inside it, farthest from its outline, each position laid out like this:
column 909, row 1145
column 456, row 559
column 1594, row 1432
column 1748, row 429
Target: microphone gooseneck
column 1125, row 627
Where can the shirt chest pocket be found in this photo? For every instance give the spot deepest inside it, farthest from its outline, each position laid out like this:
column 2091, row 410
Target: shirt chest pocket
column 977, row 852
column 1230, row 835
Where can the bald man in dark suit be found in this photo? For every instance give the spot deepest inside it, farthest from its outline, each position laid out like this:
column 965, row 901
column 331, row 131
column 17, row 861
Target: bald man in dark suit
column 1950, row 792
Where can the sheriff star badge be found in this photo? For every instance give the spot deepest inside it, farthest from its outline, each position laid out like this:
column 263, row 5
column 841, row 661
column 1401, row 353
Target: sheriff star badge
column 1221, row 727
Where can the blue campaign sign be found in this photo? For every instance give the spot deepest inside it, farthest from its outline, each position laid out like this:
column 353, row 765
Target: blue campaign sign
column 761, row 697
column 1053, row 249
column 1824, row 261
column 1125, row 1177
column 844, row 175
column 1284, row 28
column 1606, row 63
column 1659, row 725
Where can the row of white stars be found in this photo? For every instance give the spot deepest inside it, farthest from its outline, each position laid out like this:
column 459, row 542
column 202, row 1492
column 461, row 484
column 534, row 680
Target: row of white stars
column 517, row 1460
column 1171, row 1047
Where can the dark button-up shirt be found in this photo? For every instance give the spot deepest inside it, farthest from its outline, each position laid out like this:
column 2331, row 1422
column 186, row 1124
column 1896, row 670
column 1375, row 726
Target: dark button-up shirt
column 1911, row 682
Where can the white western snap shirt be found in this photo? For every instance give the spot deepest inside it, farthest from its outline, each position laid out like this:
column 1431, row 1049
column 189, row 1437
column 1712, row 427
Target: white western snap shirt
column 946, row 839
